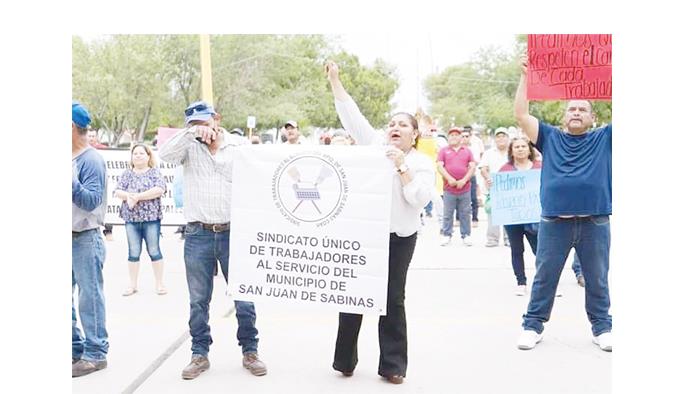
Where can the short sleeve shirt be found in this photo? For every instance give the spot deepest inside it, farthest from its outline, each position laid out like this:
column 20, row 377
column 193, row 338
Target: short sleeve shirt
column 147, row 210
column 575, row 172
column 456, row 162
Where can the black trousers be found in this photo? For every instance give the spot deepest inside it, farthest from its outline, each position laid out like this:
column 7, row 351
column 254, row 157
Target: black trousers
column 474, row 200
column 393, row 357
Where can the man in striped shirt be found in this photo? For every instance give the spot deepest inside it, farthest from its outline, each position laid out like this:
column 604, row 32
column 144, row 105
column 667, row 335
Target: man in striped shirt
column 204, row 149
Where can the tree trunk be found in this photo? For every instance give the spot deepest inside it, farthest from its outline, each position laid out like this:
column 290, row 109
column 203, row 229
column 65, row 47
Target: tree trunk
column 143, row 125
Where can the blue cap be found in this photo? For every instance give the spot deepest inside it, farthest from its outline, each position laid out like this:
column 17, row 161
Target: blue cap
column 200, row 110
column 80, row 116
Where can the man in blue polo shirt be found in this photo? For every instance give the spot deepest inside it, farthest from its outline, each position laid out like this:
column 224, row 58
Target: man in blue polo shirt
column 88, row 253
column 575, row 210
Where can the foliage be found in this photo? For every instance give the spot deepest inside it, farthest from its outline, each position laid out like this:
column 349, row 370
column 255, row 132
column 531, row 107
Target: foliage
column 130, row 82
column 482, row 91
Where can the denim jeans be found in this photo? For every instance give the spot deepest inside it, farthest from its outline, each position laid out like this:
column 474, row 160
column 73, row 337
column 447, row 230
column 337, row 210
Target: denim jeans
column 474, row 200
column 462, row 203
column 516, row 234
column 576, row 265
column 202, row 250
column 393, row 345
column 591, row 238
column 88, row 256
column 429, row 209
column 136, row 232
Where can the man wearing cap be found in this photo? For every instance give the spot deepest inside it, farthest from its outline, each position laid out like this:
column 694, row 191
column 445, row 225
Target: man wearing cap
column 205, row 150
column 292, row 132
column 456, row 164
column 492, row 160
column 88, row 253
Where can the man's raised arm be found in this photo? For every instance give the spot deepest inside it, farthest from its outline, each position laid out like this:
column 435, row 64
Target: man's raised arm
column 528, row 123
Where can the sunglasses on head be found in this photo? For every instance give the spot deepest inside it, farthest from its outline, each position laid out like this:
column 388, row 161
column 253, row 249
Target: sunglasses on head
column 197, row 108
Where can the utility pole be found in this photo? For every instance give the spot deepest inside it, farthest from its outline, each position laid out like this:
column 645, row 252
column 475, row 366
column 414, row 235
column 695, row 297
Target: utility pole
column 206, row 70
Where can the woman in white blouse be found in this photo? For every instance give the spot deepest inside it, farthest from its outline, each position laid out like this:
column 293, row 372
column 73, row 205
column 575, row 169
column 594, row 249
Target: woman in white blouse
column 413, row 178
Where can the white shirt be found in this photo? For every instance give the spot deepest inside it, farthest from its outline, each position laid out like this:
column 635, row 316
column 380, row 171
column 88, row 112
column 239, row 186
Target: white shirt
column 476, row 147
column 407, row 200
column 493, row 159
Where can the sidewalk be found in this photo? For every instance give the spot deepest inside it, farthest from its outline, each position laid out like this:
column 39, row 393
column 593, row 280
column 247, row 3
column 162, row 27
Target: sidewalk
column 463, row 324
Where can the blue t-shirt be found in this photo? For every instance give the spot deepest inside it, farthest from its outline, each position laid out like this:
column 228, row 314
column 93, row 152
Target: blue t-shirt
column 575, row 172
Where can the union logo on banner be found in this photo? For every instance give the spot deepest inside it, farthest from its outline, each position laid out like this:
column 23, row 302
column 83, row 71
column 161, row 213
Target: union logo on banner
column 310, row 188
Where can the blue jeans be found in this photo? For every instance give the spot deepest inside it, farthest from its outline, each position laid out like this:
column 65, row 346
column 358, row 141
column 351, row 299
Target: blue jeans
column 429, row 209
column 576, row 265
column 88, row 256
column 591, row 238
column 516, row 234
column 462, row 203
column 202, row 250
column 136, row 232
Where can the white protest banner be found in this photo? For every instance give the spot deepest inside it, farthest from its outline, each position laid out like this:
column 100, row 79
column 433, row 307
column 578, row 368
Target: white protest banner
column 310, row 225
column 515, row 197
column 117, row 161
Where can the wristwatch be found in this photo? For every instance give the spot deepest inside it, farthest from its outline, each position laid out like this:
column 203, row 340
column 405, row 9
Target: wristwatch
column 402, row 168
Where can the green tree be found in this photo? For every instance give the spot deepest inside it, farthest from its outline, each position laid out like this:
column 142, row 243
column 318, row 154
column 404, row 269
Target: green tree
column 139, row 82
column 482, row 91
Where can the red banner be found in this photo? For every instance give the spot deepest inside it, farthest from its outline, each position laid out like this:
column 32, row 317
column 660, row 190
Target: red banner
column 569, row 66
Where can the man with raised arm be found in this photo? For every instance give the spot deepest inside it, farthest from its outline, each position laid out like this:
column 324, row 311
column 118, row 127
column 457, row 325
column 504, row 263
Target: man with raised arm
column 575, row 210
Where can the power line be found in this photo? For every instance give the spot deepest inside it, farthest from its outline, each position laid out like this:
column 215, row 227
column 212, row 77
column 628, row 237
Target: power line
column 482, row 80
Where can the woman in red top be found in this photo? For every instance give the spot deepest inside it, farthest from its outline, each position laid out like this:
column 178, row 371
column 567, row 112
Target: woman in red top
column 521, row 157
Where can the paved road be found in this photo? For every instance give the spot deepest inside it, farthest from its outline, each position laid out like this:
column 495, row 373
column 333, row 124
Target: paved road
column 463, row 323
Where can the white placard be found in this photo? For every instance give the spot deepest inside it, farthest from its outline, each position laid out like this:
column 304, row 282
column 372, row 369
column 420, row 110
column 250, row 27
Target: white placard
column 310, row 225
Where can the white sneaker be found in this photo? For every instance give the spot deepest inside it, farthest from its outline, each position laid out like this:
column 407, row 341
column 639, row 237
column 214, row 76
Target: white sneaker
column 466, row 241
column 491, row 244
column 445, row 240
column 528, row 340
column 604, row 341
column 521, row 290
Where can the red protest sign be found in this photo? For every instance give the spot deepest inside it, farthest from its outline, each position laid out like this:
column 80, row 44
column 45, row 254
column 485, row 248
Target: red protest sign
column 164, row 134
column 569, row 66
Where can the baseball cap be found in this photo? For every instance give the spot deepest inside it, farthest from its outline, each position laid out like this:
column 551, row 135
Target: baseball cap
column 454, row 129
column 80, row 116
column 291, row 123
column 199, row 110
column 503, row 130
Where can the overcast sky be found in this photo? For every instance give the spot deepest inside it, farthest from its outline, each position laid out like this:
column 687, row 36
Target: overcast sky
column 418, row 54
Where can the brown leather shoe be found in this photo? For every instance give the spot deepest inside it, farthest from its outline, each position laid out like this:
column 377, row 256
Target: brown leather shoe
column 83, row 367
column 396, row 379
column 252, row 362
column 347, row 373
column 198, row 365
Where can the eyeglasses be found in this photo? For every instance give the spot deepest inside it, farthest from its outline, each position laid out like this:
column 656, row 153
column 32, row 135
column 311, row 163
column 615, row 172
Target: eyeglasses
column 197, row 108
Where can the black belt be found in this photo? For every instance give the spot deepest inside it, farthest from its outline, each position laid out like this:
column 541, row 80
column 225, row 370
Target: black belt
column 216, row 228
